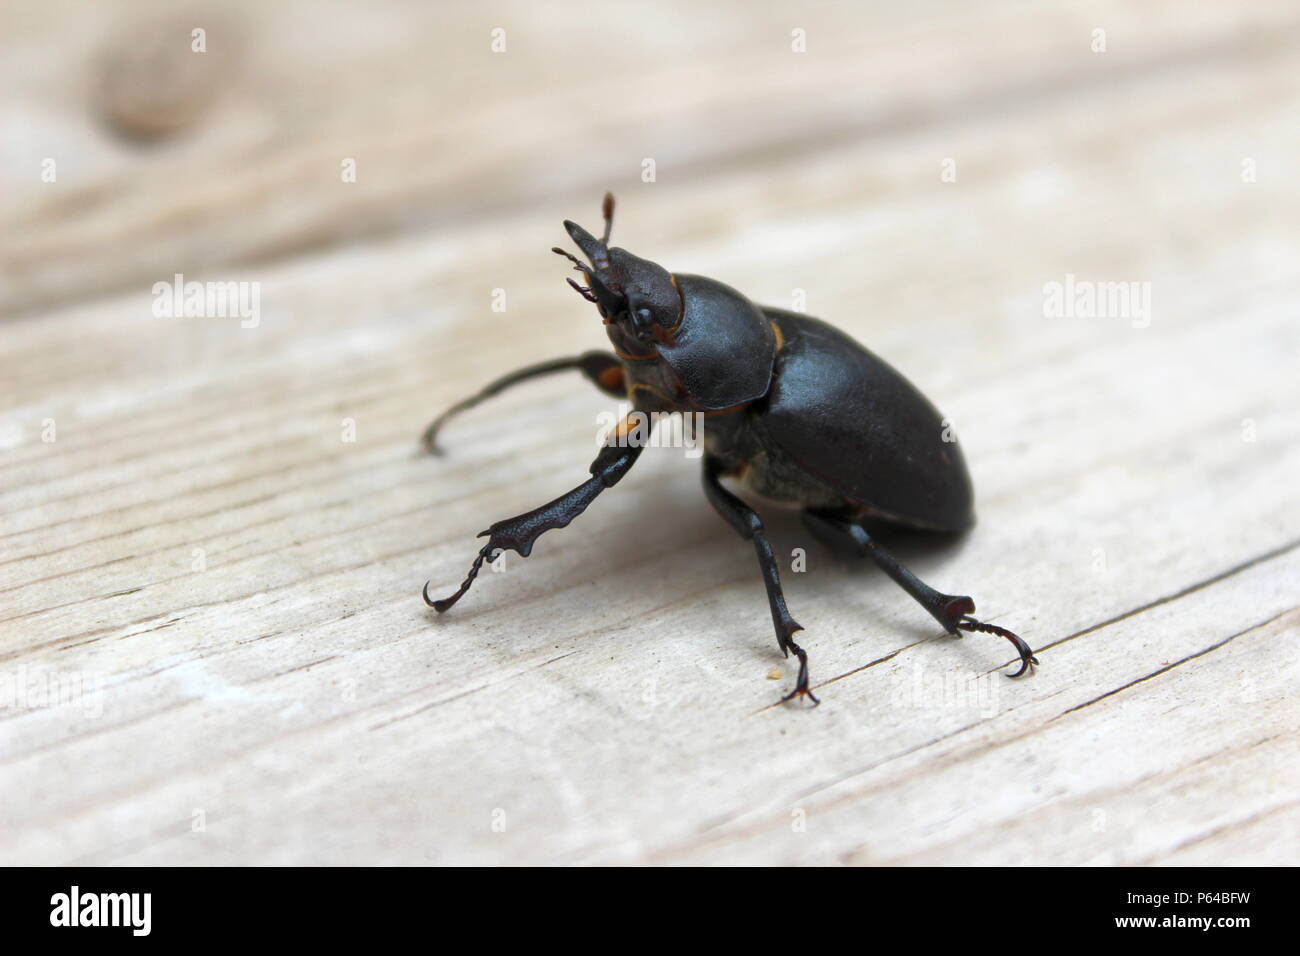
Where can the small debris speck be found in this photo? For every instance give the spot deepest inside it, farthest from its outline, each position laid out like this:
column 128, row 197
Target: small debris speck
column 775, row 674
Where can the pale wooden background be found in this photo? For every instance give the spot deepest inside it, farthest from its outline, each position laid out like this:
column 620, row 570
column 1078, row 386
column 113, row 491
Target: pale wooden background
column 608, row 700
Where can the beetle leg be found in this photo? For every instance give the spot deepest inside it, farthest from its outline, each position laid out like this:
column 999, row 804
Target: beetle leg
column 602, row 368
column 750, row 527
column 952, row 611
column 521, row 532
column 1027, row 658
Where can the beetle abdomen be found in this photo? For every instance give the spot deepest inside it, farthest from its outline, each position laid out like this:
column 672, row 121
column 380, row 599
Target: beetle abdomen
column 852, row 421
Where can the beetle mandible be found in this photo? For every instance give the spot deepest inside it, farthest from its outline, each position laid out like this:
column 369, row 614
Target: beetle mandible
column 798, row 412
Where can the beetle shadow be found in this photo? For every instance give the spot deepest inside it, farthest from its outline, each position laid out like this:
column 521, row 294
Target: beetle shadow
column 918, row 548
column 925, row 553
column 915, row 546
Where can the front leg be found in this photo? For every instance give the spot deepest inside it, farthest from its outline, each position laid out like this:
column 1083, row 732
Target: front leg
column 603, row 369
column 522, row 531
column 750, row 527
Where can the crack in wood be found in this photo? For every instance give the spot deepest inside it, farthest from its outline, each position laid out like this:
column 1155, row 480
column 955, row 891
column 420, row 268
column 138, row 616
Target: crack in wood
column 1190, row 589
column 1168, row 667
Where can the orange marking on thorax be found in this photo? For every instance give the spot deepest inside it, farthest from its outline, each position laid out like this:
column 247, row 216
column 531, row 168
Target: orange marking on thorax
column 681, row 306
column 776, row 330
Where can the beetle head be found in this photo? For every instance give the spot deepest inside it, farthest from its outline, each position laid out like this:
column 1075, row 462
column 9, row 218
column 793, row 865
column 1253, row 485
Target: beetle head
column 637, row 298
column 699, row 343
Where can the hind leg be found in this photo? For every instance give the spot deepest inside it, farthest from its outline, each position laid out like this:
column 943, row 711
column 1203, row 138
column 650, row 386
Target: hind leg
column 952, row 611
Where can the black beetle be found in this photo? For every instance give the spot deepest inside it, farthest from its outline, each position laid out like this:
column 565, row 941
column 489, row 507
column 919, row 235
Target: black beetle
column 798, row 412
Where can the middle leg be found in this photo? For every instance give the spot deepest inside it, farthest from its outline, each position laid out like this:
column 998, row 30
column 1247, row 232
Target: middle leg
column 750, row 527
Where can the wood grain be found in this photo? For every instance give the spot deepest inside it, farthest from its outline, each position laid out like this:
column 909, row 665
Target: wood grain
column 235, row 586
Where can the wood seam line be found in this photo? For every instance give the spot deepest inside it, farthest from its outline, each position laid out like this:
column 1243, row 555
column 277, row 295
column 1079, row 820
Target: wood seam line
column 466, row 693
column 242, row 597
column 1168, row 667
column 952, row 760
column 1190, row 589
column 1211, row 834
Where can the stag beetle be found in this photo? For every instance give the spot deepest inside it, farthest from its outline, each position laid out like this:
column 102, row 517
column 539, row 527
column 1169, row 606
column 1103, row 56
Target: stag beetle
column 798, row 412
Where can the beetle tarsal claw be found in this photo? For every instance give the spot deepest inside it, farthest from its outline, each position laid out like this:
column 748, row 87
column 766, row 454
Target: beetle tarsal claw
column 444, row 604
column 430, row 437
column 801, row 692
column 801, row 684
column 1027, row 658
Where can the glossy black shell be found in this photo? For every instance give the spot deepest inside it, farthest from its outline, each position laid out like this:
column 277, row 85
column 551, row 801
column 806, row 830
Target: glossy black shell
column 723, row 348
column 849, row 419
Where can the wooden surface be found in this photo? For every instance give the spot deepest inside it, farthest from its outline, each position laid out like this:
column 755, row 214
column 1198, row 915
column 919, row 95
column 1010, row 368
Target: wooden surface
column 236, row 587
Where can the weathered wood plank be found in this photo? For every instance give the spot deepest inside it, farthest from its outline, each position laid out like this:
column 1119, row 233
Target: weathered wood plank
column 1139, row 521
column 444, row 131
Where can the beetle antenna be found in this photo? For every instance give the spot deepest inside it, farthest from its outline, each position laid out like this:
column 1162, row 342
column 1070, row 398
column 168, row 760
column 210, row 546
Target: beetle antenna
column 577, row 263
column 597, row 292
column 607, row 210
column 581, row 266
column 584, row 292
